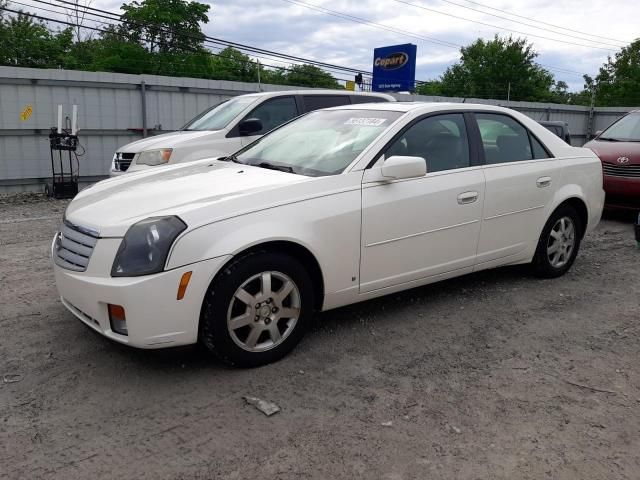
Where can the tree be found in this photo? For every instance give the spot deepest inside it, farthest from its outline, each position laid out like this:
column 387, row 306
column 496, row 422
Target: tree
column 29, row 43
column 498, row 68
column 76, row 14
column 165, row 26
column 231, row 64
column 306, row 75
column 618, row 82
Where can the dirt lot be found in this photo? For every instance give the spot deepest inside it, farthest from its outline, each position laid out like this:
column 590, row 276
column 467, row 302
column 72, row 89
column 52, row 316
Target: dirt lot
column 493, row 375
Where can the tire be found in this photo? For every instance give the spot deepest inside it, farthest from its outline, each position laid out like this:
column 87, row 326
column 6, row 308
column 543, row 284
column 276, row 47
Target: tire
column 244, row 325
column 558, row 244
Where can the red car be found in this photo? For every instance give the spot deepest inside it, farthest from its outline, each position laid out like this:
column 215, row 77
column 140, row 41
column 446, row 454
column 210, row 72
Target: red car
column 619, row 150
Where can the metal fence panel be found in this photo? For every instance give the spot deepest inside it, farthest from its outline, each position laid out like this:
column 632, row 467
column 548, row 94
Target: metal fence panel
column 110, row 111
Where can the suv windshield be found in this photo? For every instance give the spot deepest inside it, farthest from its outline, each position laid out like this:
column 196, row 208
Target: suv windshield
column 219, row 116
column 627, row 129
column 321, row 143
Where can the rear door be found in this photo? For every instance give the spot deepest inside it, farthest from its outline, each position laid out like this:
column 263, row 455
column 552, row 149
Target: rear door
column 521, row 179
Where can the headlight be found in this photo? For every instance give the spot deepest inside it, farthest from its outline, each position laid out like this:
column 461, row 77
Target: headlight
column 154, row 157
column 145, row 246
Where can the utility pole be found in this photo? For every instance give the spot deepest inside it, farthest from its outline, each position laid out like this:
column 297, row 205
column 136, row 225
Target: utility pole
column 589, row 131
column 259, row 85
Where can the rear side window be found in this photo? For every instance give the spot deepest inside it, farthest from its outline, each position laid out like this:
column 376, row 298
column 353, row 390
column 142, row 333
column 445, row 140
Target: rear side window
column 367, row 99
column 316, row 102
column 274, row 113
column 505, row 140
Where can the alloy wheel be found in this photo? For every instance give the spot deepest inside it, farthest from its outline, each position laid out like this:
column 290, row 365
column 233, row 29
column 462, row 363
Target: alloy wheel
column 263, row 311
column 561, row 242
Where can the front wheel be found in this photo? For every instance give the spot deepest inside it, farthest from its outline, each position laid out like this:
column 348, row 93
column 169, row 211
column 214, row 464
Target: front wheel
column 257, row 309
column 558, row 244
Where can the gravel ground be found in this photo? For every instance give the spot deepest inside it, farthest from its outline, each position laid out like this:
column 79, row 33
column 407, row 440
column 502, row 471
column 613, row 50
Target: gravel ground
column 494, row 375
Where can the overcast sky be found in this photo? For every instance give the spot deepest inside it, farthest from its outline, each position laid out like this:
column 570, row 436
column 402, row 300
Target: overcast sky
column 283, row 26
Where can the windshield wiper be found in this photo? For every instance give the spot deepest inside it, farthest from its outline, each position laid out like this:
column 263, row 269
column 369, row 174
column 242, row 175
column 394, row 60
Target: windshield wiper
column 271, row 166
column 609, row 139
column 232, row 158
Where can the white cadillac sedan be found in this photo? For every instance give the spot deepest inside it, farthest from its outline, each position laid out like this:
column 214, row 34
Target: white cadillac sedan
column 335, row 207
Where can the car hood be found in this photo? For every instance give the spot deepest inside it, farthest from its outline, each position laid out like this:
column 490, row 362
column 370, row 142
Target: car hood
column 610, row 152
column 166, row 140
column 111, row 206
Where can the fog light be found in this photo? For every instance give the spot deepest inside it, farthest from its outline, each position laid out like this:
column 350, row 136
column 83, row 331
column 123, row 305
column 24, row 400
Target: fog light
column 117, row 319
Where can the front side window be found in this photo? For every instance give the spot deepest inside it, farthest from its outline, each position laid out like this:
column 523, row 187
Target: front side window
column 506, row 140
column 441, row 140
column 273, row 113
column 627, row 129
column 324, row 142
column 219, row 116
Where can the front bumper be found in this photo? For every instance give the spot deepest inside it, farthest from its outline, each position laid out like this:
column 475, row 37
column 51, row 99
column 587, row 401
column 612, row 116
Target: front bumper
column 622, row 192
column 155, row 318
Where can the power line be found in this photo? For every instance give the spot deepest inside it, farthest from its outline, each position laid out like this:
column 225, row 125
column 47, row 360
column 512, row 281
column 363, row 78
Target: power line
column 236, row 45
column 402, row 32
column 431, row 39
column 364, row 21
column 39, row 17
column 136, row 23
column 527, row 18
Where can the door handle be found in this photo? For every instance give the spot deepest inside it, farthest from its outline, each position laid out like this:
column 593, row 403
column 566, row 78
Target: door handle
column 543, row 182
column 467, row 197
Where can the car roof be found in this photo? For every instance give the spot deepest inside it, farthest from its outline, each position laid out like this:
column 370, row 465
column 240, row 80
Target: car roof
column 421, row 107
column 314, row 91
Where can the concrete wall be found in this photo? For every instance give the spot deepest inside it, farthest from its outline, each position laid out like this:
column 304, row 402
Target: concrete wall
column 114, row 109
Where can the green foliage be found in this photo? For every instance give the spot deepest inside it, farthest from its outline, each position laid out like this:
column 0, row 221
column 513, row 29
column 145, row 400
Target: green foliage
column 496, row 69
column 618, row 82
column 160, row 37
column 165, row 26
column 29, row 43
column 309, row 76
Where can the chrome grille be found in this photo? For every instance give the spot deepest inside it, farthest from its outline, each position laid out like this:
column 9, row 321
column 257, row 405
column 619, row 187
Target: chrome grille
column 122, row 162
column 73, row 247
column 621, row 170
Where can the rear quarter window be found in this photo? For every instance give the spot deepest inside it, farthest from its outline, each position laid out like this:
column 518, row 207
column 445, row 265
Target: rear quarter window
column 316, row 102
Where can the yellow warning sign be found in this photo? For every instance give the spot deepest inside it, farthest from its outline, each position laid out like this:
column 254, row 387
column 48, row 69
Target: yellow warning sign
column 351, row 85
column 26, row 113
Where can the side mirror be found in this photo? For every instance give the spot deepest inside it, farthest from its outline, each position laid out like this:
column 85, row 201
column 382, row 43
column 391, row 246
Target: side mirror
column 398, row 167
column 250, row 126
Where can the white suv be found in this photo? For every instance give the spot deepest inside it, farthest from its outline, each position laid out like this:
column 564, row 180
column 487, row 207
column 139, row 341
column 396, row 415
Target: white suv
column 225, row 128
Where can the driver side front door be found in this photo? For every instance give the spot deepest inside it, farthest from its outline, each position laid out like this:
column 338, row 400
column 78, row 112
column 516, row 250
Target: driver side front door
column 420, row 228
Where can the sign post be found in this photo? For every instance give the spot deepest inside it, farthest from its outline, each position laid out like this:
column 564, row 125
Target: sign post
column 394, row 68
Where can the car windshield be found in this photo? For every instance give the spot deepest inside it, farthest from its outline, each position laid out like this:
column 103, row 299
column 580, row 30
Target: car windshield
column 627, row 129
column 321, row 143
column 219, row 116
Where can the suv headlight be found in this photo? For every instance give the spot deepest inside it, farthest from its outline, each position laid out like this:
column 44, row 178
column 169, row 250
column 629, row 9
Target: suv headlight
column 154, row 157
column 145, row 246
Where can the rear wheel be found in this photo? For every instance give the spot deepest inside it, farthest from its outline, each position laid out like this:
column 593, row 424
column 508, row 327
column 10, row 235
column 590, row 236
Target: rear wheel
column 558, row 244
column 257, row 309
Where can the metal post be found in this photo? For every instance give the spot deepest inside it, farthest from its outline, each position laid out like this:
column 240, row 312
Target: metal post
column 143, row 98
column 259, row 86
column 590, row 120
column 509, row 92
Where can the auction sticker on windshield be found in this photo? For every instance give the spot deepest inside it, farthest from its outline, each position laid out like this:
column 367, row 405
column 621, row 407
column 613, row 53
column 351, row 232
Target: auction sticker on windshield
column 367, row 121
